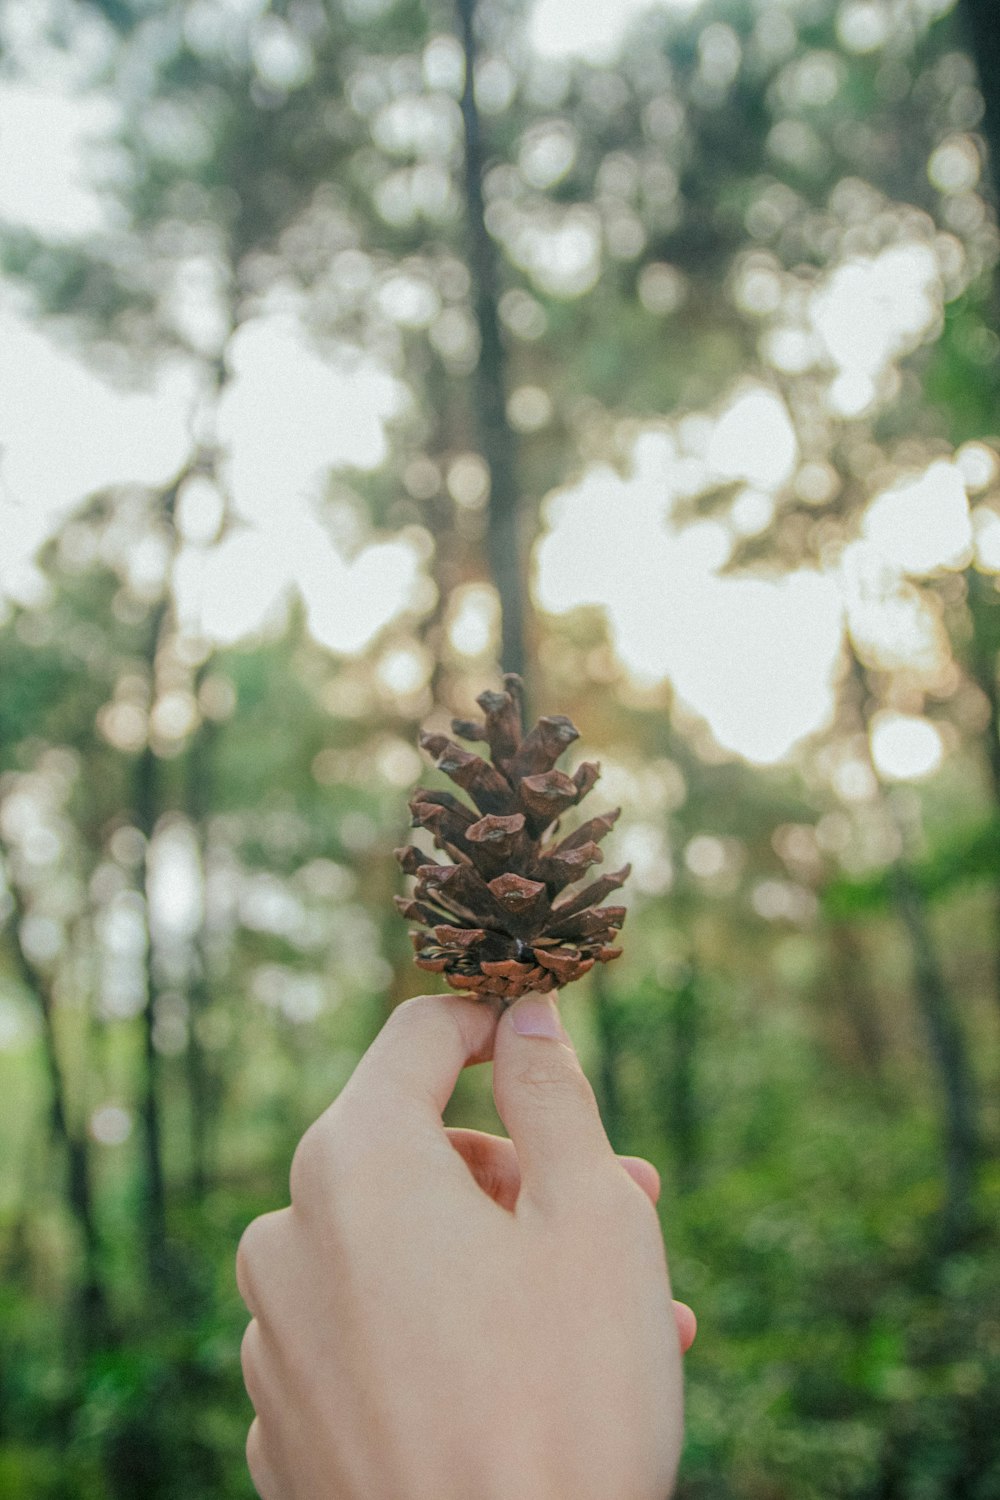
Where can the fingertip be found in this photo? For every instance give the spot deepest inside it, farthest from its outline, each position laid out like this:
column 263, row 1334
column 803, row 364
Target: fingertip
column 537, row 1015
column 687, row 1325
column 482, row 1015
column 645, row 1174
column 475, row 1016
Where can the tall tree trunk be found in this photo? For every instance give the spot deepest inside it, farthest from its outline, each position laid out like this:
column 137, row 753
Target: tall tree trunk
column 980, row 20
column 982, row 597
column 608, row 1040
column 93, row 1302
column 200, row 1083
column 679, row 1086
column 979, row 29
column 857, row 1001
column 147, row 809
column 950, row 1056
column 504, row 543
column 940, row 1016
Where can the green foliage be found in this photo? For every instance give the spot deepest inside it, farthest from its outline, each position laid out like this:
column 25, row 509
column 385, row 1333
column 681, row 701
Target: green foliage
column 963, row 373
column 965, row 856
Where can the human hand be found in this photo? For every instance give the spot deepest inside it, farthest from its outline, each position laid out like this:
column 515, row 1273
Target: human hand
column 442, row 1314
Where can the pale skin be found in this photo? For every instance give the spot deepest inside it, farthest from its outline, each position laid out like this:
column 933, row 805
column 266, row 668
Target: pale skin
column 443, row 1314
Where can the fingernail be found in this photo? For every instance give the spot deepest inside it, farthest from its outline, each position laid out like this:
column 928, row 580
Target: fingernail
column 534, row 1016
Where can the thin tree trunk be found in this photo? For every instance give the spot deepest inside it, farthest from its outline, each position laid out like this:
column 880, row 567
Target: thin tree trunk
column 980, row 20
column 147, row 799
column 983, row 661
column 93, row 1299
column 607, row 1064
column 939, row 1014
column 679, row 1083
column 503, row 538
column 199, row 790
column 950, row 1056
column 199, row 1087
column 856, row 997
column 983, row 596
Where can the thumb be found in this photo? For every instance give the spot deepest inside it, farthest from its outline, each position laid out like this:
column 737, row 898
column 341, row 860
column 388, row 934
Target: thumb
column 547, row 1105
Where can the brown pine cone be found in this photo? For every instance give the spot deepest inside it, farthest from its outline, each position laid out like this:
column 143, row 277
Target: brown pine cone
column 499, row 917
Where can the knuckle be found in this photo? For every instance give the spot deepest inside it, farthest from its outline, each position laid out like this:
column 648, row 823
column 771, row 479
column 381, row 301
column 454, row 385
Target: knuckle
column 329, row 1166
column 624, row 1205
column 246, row 1267
column 253, row 1254
column 249, row 1345
column 310, row 1165
column 256, row 1457
column 250, row 1351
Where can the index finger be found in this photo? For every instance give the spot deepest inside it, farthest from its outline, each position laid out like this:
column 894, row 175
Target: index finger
column 409, row 1072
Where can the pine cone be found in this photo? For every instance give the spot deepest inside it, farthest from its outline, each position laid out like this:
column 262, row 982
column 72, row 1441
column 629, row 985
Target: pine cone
column 500, row 921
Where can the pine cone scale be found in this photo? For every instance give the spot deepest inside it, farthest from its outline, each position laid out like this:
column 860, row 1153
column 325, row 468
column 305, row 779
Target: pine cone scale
column 592, row 895
column 540, row 750
column 502, row 727
column 593, row 831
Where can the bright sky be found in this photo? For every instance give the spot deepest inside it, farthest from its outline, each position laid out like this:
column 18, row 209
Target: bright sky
column 589, row 28
column 755, row 657
column 46, row 185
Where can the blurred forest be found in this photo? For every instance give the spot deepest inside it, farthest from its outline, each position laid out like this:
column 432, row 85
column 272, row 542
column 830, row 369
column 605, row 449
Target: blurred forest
column 669, row 376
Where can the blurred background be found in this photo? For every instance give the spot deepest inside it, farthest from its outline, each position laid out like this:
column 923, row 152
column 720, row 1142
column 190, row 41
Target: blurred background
column 347, row 349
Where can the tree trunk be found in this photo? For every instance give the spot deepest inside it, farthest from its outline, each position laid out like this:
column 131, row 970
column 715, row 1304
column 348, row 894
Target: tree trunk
column 939, row 1013
column 608, row 1039
column 982, row 597
column 980, row 20
column 200, row 1083
column 93, row 1301
column 679, row 1083
column 948, row 1051
column 856, row 999
column 199, row 1087
column 147, row 798
column 504, row 543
